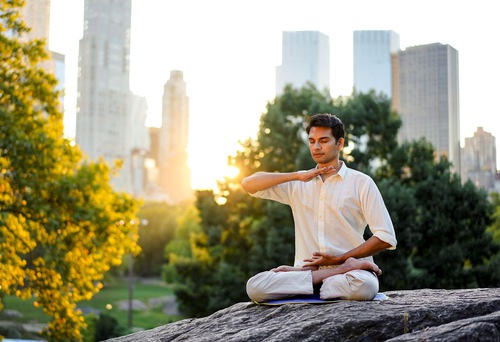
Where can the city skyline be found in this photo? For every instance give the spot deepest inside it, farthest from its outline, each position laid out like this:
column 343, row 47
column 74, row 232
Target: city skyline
column 229, row 50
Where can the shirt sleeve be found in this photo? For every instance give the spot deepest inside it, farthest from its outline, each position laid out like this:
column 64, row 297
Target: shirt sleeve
column 377, row 215
column 277, row 193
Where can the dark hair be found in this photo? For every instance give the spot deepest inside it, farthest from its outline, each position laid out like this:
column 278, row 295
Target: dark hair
column 326, row 120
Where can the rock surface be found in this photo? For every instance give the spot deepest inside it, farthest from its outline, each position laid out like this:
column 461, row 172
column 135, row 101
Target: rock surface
column 417, row 315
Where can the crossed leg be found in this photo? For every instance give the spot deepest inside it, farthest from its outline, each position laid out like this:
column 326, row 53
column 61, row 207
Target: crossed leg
column 349, row 281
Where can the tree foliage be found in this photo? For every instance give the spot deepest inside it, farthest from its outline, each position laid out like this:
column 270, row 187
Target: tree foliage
column 209, row 248
column 61, row 224
column 494, row 229
column 159, row 221
column 443, row 237
column 453, row 217
column 371, row 129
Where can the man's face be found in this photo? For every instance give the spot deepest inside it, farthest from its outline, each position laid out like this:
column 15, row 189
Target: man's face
column 323, row 146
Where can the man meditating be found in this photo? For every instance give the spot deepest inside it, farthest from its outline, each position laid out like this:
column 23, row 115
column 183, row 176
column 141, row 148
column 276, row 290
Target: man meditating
column 331, row 206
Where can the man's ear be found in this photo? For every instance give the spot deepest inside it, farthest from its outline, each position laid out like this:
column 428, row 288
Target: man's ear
column 340, row 142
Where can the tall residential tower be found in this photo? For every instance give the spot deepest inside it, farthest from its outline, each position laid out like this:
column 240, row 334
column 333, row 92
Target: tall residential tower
column 305, row 58
column 372, row 68
column 104, row 120
column 428, row 98
column 479, row 162
column 174, row 175
column 36, row 15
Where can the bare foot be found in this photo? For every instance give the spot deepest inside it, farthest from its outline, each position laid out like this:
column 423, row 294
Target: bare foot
column 356, row 264
column 349, row 265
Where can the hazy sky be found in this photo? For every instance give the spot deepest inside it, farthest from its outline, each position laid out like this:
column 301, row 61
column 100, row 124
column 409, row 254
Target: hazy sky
column 229, row 50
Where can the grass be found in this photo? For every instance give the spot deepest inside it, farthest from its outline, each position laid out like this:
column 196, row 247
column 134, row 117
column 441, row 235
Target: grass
column 107, row 300
column 30, row 313
column 111, row 295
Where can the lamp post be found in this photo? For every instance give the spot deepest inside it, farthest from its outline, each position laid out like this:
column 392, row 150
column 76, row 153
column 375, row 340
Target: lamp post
column 133, row 153
column 130, row 289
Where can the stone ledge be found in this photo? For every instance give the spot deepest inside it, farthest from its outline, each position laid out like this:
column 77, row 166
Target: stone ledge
column 406, row 316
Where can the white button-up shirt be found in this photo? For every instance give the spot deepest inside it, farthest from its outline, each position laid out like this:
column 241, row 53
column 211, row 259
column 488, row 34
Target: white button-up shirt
column 331, row 216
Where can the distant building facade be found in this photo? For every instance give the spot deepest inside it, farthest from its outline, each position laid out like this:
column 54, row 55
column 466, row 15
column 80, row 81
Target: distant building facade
column 479, row 163
column 372, row 65
column 139, row 144
column 427, row 97
column 36, row 15
column 109, row 116
column 174, row 175
column 305, row 58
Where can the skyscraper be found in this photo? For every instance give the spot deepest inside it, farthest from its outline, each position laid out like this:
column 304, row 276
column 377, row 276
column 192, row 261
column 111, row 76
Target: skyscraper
column 104, row 99
column 305, row 58
column 174, row 174
column 372, row 60
column 36, row 15
column 428, row 97
column 479, row 159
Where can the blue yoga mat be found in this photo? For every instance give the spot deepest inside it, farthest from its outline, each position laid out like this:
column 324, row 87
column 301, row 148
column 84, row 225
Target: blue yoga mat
column 311, row 299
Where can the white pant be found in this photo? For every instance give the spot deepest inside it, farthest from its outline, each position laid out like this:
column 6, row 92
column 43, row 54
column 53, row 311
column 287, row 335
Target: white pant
column 353, row 285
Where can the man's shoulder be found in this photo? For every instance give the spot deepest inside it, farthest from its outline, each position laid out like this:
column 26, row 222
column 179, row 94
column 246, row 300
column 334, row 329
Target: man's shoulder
column 358, row 176
column 355, row 173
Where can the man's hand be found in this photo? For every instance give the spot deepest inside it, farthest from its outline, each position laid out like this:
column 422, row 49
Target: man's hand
column 285, row 268
column 313, row 173
column 323, row 259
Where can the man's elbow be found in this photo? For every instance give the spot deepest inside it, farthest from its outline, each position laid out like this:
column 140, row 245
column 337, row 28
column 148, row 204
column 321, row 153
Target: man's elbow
column 246, row 186
column 386, row 245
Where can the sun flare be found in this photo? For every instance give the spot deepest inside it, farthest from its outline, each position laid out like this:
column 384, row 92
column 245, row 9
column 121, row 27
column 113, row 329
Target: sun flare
column 206, row 178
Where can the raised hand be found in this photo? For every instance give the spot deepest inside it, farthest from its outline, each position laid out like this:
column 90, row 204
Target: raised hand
column 308, row 175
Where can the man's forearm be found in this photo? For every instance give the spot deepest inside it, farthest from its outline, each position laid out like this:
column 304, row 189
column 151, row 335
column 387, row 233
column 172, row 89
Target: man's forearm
column 370, row 247
column 264, row 180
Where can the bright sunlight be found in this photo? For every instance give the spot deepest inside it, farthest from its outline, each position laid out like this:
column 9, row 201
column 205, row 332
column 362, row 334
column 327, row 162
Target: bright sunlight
column 205, row 174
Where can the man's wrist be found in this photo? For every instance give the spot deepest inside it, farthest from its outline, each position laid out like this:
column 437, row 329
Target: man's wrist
column 343, row 258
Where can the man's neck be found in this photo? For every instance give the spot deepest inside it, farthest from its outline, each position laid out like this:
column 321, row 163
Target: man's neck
column 336, row 164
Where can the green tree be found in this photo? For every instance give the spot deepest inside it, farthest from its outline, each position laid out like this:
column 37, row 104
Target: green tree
column 454, row 248
column 495, row 226
column 397, row 179
column 444, row 237
column 371, row 129
column 402, row 207
column 61, row 224
column 183, row 257
column 158, row 225
column 197, row 274
column 188, row 224
column 106, row 326
column 494, row 230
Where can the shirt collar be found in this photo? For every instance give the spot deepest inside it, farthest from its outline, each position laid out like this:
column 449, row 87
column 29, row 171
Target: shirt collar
column 343, row 170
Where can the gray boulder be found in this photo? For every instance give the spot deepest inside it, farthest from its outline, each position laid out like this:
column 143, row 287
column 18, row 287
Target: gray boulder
column 417, row 315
